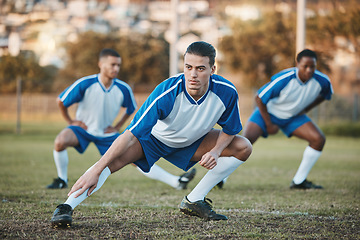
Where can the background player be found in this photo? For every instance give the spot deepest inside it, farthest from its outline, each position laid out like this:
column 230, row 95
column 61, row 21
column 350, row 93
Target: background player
column 283, row 102
column 100, row 98
column 176, row 122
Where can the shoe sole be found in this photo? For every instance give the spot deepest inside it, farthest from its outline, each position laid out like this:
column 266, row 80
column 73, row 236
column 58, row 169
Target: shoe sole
column 61, row 223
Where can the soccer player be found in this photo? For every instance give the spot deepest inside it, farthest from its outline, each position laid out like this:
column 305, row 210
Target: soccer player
column 176, row 122
column 283, row 103
column 100, row 98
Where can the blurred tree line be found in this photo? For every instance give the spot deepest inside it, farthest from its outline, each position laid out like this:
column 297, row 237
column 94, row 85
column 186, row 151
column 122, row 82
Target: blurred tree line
column 256, row 49
column 260, row 48
column 145, row 62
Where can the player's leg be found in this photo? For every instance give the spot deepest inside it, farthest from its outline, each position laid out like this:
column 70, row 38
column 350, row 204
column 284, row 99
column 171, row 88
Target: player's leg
column 66, row 138
column 252, row 131
column 316, row 139
column 177, row 182
column 122, row 153
column 232, row 157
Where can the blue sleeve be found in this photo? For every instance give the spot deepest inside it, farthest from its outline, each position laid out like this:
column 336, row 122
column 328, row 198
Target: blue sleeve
column 230, row 119
column 75, row 92
column 326, row 87
column 129, row 100
column 273, row 88
column 157, row 106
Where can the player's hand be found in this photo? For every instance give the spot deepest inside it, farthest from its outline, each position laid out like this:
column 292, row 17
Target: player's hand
column 88, row 180
column 272, row 128
column 79, row 123
column 110, row 129
column 208, row 160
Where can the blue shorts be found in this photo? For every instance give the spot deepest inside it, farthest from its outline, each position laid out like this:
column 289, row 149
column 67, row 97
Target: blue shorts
column 84, row 138
column 288, row 126
column 154, row 150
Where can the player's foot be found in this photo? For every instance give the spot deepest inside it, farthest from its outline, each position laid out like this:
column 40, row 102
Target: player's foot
column 201, row 208
column 58, row 183
column 186, row 178
column 305, row 185
column 62, row 216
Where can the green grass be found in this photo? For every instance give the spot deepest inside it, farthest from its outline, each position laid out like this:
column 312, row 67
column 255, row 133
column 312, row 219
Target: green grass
column 256, row 197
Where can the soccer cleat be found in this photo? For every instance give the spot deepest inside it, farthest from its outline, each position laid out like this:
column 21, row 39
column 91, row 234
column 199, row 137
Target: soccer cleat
column 58, row 183
column 201, row 208
column 62, row 216
column 186, row 178
column 305, row 185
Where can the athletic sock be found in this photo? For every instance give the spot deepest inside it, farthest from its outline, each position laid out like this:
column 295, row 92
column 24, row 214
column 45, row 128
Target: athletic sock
column 157, row 173
column 310, row 157
column 73, row 202
column 225, row 166
column 61, row 161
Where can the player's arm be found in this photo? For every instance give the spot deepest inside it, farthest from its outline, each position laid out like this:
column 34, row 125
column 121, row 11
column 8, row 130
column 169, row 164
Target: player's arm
column 270, row 127
column 209, row 159
column 119, row 147
column 316, row 102
column 65, row 113
column 117, row 127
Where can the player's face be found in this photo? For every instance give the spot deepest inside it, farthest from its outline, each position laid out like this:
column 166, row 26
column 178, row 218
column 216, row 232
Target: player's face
column 306, row 66
column 197, row 72
column 110, row 66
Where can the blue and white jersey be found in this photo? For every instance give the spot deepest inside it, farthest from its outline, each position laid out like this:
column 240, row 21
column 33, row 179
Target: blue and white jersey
column 173, row 117
column 98, row 106
column 286, row 95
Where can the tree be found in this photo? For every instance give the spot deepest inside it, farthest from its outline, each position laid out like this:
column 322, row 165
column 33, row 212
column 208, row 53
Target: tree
column 34, row 77
column 259, row 48
column 144, row 58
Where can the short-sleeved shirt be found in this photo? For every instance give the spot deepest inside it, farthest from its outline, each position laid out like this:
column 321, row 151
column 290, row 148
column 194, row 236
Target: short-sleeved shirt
column 286, row 95
column 173, row 117
column 171, row 124
column 97, row 106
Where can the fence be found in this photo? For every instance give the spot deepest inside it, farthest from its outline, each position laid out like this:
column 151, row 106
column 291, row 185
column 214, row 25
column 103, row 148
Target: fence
column 43, row 107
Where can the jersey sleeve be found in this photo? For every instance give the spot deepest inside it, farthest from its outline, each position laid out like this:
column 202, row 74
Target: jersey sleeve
column 273, row 88
column 230, row 119
column 129, row 100
column 326, row 87
column 73, row 94
column 157, row 106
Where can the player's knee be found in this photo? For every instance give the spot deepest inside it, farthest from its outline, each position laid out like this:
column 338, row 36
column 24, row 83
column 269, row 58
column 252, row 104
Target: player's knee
column 59, row 143
column 318, row 141
column 243, row 150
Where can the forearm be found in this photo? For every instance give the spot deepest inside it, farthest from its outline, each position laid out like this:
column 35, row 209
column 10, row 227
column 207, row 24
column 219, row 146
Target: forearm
column 222, row 142
column 121, row 122
column 263, row 111
column 64, row 111
column 116, row 150
column 317, row 101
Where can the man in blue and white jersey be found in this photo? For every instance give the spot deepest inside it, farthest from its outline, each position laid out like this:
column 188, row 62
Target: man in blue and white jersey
column 283, row 102
column 176, row 122
column 100, row 98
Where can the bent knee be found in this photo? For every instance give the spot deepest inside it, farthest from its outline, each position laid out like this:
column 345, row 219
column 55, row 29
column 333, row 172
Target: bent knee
column 244, row 150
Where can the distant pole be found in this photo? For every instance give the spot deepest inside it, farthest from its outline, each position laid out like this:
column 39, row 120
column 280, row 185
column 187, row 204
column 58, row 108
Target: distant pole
column 18, row 111
column 300, row 26
column 174, row 59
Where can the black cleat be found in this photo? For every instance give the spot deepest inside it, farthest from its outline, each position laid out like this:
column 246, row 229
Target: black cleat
column 58, row 183
column 186, row 178
column 305, row 185
column 201, row 208
column 62, row 216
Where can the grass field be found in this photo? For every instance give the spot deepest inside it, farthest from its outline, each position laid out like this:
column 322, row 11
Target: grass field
column 256, row 197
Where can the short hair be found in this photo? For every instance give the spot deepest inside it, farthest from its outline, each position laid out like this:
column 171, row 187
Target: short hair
column 108, row 52
column 306, row 53
column 202, row 49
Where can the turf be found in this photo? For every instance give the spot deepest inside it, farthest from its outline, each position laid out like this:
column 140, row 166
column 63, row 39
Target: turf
column 256, row 197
